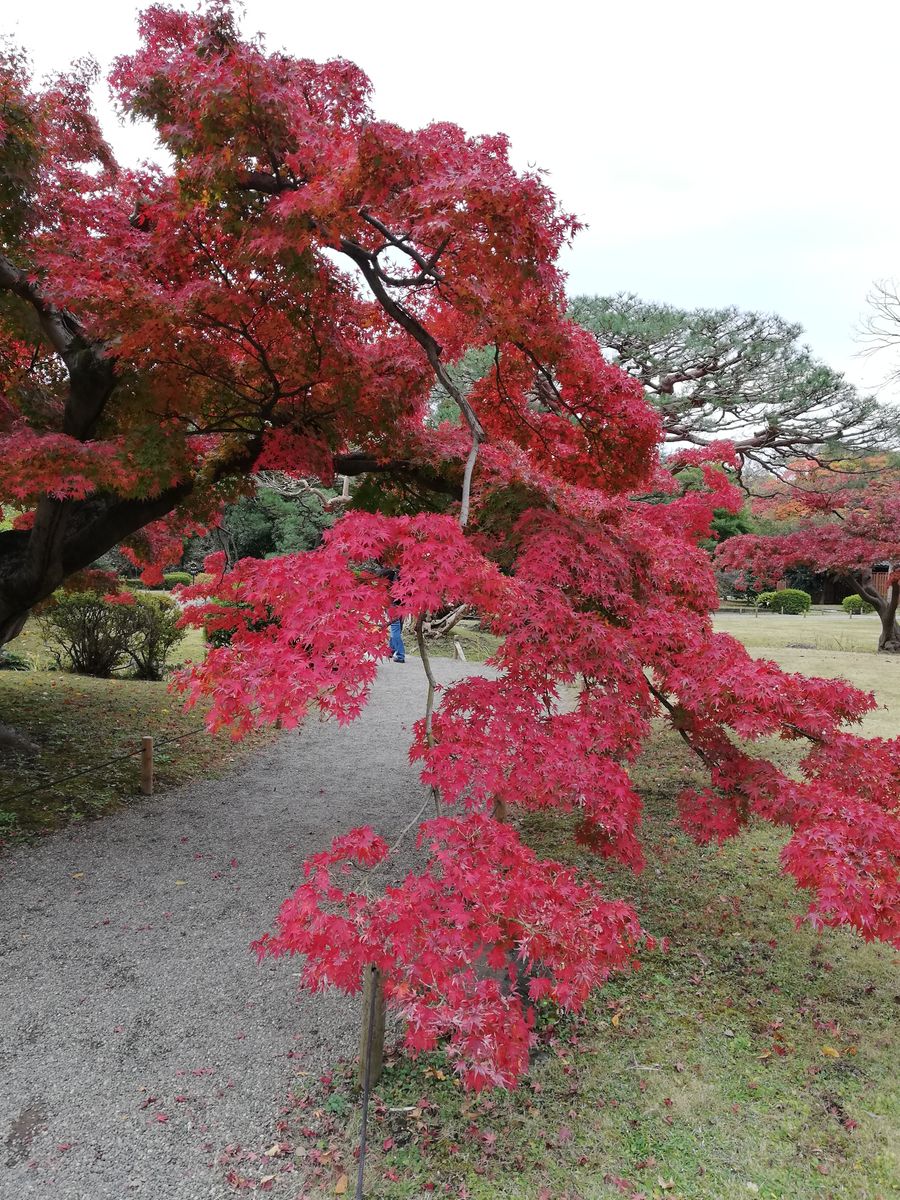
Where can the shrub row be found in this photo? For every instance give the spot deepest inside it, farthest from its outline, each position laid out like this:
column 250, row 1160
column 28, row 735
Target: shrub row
column 169, row 580
column 787, row 600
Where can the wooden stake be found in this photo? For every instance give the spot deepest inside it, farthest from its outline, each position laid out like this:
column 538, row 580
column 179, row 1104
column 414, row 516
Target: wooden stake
column 459, row 653
column 147, row 766
column 371, row 1046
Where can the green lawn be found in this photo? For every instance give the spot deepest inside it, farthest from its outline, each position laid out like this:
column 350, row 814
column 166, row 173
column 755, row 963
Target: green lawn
column 477, row 644
column 824, row 628
column 79, row 722
column 755, row 1058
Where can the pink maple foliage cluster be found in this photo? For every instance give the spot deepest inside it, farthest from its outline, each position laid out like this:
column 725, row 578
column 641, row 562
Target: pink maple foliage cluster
column 605, row 625
column 454, row 940
column 284, row 294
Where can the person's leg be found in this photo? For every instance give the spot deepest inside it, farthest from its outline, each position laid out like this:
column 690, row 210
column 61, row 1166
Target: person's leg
column 396, row 640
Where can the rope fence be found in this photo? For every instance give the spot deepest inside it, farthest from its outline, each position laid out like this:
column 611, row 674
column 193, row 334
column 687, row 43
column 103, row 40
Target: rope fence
column 144, row 751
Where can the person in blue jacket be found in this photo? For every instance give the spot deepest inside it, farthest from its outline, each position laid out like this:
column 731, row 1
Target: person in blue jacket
column 395, row 641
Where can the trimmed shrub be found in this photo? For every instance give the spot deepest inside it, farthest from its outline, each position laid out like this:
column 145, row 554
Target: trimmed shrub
column 764, row 599
column 153, row 631
column 176, row 579
column 855, row 606
column 86, row 634
column 791, row 600
column 90, row 635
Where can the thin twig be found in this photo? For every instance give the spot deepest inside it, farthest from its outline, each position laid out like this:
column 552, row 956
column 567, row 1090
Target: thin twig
column 429, row 706
column 406, row 829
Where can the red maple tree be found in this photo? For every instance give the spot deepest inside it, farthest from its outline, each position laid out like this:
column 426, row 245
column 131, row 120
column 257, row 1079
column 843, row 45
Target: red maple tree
column 284, row 293
column 843, row 520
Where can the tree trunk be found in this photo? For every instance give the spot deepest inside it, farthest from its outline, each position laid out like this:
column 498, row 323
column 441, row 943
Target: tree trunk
column 886, row 607
column 889, row 642
column 67, row 536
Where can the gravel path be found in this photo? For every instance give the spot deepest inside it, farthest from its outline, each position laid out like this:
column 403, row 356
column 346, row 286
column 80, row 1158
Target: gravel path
column 139, row 1039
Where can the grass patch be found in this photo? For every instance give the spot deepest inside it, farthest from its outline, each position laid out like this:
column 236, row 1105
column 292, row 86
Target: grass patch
column 823, row 628
column 476, row 642
column 754, row 1058
column 77, row 722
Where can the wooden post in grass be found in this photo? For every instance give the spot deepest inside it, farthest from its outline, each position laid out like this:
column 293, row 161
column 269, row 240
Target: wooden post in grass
column 147, row 766
column 371, row 1043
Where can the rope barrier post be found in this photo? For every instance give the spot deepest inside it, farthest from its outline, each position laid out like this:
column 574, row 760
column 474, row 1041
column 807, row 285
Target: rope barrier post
column 371, row 1058
column 147, row 766
column 371, row 1045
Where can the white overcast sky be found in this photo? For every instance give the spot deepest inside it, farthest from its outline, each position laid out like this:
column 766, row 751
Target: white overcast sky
column 728, row 152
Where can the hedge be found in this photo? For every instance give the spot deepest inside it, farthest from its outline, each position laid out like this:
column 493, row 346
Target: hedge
column 791, row 600
column 855, row 606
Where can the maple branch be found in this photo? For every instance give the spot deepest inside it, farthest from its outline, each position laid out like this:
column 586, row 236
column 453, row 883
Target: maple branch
column 407, row 827
column 359, row 463
column 467, row 481
column 673, row 713
column 61, row 327
column 427, row 276
column 68, row 535
column 403, row 244
column 367, row 261
column 413, row 327
column 429, row 705
column 91, row 371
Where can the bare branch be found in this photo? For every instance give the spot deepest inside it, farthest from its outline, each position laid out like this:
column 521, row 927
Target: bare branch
column 429, row 703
